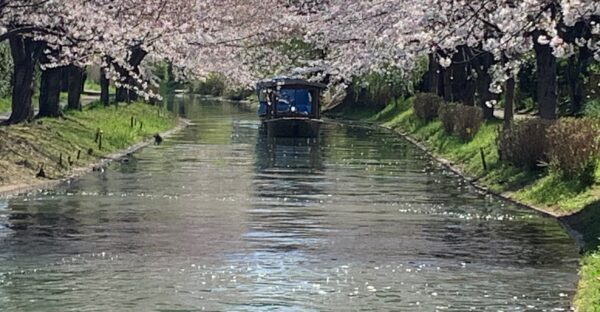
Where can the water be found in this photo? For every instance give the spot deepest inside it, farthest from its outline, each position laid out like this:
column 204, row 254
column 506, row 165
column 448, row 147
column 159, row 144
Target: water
column 221, row 218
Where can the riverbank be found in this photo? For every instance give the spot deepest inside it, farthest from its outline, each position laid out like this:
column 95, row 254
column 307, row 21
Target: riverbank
column 80, row 142
column 577, row 207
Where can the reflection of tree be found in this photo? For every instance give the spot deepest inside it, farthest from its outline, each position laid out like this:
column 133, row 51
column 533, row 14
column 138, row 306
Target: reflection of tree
column 43, row 227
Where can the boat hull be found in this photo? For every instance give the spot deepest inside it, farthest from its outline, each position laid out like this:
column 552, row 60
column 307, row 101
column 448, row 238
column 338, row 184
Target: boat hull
column 292, row 127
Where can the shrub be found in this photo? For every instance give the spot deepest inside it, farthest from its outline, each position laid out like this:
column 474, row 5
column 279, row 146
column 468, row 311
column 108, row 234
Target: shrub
column 468, row 120
column 426, row 106
column 592, row 109
column 523, row 143
column 573, row 148
column 447, row 114
column 237, row 94
column 213, row 84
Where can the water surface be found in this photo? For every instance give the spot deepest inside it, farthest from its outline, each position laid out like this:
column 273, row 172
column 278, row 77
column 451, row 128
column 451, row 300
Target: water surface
column 222, row 218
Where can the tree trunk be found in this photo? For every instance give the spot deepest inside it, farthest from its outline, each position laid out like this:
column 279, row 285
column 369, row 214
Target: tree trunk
column 64, row 79
column 133, row 96
column 468, row 97
column 547, row 84
column 509, row 101
column 76, row 80
column 104, row 88
column 135, row 59
column 447, row 80
column 50, row 93
column 463, row 86
column 137, row 56
column 468, row 93
column 433, row 76
column 122, row 95
column 484, row 80
column 577, row 69
column 23, row 54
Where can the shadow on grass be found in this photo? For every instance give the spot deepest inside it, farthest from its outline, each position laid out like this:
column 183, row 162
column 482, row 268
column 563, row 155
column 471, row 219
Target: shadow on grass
column 505, row 178
column 587, row 223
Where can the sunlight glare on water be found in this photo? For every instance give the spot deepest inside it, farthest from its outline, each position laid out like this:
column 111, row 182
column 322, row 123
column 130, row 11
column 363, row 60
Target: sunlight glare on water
column 223, row 218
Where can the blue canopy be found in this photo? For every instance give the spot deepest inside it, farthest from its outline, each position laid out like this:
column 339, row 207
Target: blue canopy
column 293, row 96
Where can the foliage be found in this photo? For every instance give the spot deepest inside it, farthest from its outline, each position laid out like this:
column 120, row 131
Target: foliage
column 460, row 120
column 573, row 147
column 214, row 84
column 426, row 106
column 447, row 115
column 468, row 120
column 238, row 93
column 523, row 143
column 5, row 70
column 592, row 108
column 376, row 89
column 5, row 104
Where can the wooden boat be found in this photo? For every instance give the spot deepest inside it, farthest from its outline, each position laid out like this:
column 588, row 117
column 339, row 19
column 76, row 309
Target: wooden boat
column 290, row 107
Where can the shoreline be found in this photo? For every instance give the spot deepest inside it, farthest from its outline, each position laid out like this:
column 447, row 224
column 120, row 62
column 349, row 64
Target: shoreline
column 576, row 235
column 14, row 190
column 31, row 184
column 482, row 189
column 580, row 224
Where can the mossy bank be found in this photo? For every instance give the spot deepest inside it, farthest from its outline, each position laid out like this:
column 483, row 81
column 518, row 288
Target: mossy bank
column 576, row 205
column 63, row 147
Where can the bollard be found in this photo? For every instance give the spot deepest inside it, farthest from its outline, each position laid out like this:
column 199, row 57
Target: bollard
column 97, row 135
column 483, row 159
column 100, row 141
column 78, row 154
column 132, row 121
column 60, row 163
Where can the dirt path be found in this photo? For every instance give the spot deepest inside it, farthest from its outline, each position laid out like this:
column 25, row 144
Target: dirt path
column 499, row 113
column 86, row 99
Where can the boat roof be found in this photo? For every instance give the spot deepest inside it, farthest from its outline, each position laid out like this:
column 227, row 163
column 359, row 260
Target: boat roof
column 289, row 82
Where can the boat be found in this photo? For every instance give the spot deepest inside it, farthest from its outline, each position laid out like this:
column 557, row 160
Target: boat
column 290, row 107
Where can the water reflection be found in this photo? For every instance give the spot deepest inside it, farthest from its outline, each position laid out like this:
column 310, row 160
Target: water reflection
column 287, row 185
column 221, row 217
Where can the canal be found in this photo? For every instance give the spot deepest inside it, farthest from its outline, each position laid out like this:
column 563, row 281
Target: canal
column 222, row 218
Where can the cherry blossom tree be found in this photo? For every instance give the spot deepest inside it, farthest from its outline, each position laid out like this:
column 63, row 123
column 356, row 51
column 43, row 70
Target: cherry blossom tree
column 475, row 48
column 491, row 37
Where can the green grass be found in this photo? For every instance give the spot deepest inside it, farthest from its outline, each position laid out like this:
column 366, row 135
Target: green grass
column 90, row 85
column 5, row 103
column 43, row 141
column 79, row 127
column 588, row 294
column 564, row 195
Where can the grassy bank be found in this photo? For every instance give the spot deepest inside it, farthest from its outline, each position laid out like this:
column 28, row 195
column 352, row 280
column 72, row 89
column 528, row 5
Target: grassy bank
column 55, row 143
column 588, row 294
column 542, row 189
